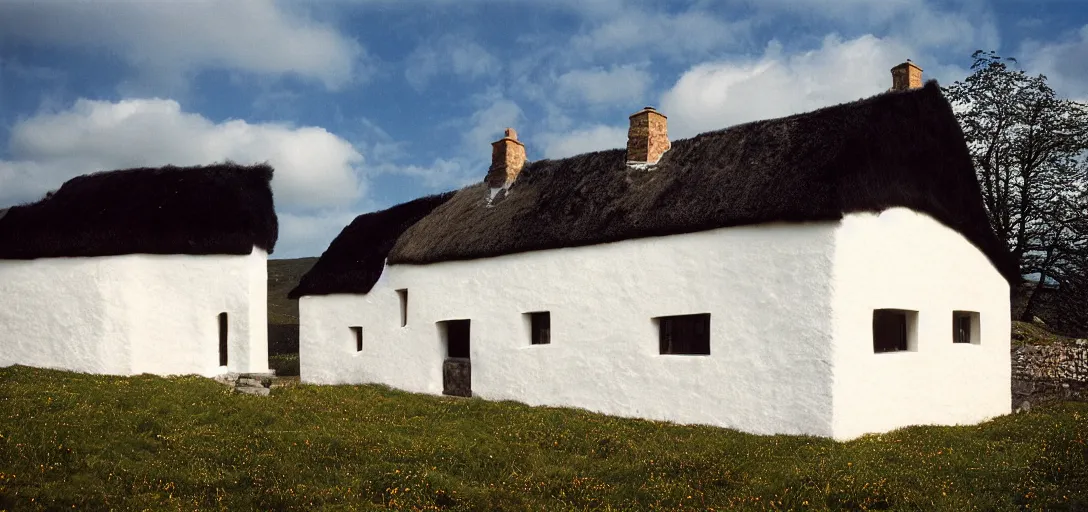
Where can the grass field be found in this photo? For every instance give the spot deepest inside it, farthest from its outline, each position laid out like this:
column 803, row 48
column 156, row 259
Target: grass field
column 95, row 443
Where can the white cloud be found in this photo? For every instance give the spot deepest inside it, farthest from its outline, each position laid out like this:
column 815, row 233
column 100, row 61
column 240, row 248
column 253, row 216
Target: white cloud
column 962, row 27
column 449, row 54
column 619, row 84
column 171, row 39
column 314, row 168
column 593, row 138
column 309, row 235
column 682, row 35
column 487, row 124
column 715, row 95
column 1065, row 63
column 442, row 174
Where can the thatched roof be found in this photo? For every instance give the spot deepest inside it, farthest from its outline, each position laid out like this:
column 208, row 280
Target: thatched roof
column 900, row 148
column 356, row 257
column 215, row 209
column 894, row 149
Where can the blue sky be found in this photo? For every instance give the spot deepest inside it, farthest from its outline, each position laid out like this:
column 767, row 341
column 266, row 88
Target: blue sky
column 362, row 104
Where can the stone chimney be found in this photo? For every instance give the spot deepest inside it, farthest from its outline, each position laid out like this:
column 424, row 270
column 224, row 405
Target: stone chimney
column 906, row 76
column 507, row 159
column 648, row 136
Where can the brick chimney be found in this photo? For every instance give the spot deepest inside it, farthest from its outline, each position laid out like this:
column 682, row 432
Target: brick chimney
column 906, row 76
column 648, row 136
column 507, row 159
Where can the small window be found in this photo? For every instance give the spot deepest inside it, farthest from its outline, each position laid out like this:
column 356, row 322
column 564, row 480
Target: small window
column 965, row 327
column 222, row 339
column 403, row 294
column 684, row 334
column 456, row 333
column 540, row 327
column 894, row 330
column 358, row 332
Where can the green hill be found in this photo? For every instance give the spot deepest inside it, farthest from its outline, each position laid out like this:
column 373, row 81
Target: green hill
column 283, row 275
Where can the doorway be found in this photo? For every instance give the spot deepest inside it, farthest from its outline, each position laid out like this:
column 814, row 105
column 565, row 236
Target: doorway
column 457, row 365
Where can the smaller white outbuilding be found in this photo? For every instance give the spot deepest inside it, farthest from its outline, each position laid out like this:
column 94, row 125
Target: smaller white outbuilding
column 150, row 270
column 831, row 273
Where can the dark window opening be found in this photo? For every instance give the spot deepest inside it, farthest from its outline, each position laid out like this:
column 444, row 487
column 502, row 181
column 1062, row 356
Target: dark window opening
column 457, row 338
column 965, row 326
column 222, row 339
column 403, row 294
column 685, row 334
column 540, row 327
column 358, row 332
column 892, row 330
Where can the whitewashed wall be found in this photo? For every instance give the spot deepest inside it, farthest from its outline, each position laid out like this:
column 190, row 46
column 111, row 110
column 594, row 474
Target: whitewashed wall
column 905, row 260
column 767, row 288
column 134, row 314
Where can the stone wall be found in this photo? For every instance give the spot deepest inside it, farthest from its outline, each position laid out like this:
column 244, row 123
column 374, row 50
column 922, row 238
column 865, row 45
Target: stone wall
column 1042, row 373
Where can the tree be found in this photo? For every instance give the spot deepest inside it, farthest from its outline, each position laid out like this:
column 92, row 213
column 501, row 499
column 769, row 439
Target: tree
column 1028, row 148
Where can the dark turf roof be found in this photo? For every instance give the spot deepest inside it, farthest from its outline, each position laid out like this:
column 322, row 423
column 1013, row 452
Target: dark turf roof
column 215, row 209
column 356, row 257
column 894, row 149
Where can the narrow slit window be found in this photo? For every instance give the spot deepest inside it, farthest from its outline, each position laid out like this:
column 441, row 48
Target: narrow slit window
column 403, row 295
column 894, row 330
column 222, row 339
column 684, row 334
column 540, row 327
column 357, row 332
column 965, row 327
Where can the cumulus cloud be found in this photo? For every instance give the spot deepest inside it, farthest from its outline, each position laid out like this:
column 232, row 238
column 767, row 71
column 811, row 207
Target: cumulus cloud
column 593, row 138
column 314, row 168
column 448, row 55
column 718, row 94
column 303, row 235
column 173, row 39
column 619, row 84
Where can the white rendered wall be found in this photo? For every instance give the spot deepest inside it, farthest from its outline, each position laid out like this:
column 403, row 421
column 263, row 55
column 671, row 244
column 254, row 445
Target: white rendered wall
column 767, row 289
column 134, row 314
column 905, row 260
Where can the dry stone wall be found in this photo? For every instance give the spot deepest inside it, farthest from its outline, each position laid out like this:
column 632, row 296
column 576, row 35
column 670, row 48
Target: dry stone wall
column 1042, row 373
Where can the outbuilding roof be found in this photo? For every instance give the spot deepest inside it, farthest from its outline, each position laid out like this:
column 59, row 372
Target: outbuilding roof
column 215, row 209
column 356, row 257
column 896, row 149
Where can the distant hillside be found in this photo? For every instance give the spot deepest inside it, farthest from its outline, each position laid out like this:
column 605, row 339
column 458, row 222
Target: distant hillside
column 282, row 312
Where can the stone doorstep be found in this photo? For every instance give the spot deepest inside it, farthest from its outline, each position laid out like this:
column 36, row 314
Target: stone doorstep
column 252, row 382
column 253, row 391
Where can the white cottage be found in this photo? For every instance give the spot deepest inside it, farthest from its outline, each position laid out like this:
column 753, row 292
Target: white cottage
column 831, row 273
column 159, row 271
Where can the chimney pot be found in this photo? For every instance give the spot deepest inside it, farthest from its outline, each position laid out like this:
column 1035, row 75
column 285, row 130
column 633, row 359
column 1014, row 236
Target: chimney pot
column 507, row 160
column 647, row 136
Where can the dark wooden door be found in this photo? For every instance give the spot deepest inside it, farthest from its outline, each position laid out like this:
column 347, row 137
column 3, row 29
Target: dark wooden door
column 457, row 377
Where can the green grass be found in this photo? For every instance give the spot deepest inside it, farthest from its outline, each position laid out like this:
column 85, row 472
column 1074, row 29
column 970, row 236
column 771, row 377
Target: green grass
column 1024, row 333
column 284, row 364
column 147, row 442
